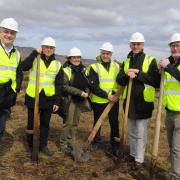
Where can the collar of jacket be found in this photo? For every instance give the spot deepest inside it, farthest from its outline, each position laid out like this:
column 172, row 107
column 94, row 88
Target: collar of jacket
column 78, row 68
column 3, row 46
column 134, row 56
column 52, row 57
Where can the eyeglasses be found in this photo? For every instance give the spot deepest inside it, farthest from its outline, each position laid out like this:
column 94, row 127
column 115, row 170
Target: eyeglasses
column 175, row 46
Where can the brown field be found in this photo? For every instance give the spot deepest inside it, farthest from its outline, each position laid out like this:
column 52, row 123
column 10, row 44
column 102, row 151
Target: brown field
column 18, row 165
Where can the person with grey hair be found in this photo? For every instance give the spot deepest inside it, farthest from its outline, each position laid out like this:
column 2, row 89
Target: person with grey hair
column 171, row 101
column 102, row 76
column 143, row 71
column 10, row 70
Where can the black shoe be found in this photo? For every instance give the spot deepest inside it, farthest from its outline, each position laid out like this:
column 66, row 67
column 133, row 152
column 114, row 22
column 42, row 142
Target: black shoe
column 46, row 151
column 130, row 159
column 94, row 146
column 137, row 166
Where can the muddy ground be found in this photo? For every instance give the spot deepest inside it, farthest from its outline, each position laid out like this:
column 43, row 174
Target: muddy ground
column 18, row 165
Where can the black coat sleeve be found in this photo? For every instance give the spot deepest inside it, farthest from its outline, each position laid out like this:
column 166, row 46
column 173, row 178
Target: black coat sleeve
column 152, row 77
column 19, row 76
column 28, row 61
column 122, row 78
column 94, row 84
column 173, row 70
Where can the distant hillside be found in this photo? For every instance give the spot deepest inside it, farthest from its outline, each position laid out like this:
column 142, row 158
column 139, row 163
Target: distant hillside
column 25, row 51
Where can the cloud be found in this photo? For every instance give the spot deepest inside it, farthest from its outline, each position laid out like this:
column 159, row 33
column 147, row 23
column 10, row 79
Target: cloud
column 175, row 14
column 89, row 23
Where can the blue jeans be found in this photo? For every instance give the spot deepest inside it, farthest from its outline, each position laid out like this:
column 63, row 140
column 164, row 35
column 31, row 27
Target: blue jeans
column 4, row 115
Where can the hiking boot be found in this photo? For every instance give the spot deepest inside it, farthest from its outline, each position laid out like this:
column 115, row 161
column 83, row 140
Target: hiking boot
column 46, row 151
column 137, row 166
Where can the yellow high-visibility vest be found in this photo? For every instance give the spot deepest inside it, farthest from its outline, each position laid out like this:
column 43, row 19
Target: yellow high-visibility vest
column 107, row 80
column 149, row 91
column 67, row 70
column 8, row 67
column 46, row 80
column 171, row 95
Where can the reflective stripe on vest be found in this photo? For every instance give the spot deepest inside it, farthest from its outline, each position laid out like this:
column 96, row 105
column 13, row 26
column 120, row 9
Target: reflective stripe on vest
column 171, row 96
column 149, row 91
column 8, row 67
column 107, row 80
column 46, row 80
column 68, row 72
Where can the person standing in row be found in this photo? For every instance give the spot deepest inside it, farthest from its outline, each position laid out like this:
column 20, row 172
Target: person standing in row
column 102, row 78
column 143, row 69
column 49, row 89
column 171, row 101
column 10, row 70
column 74, row 90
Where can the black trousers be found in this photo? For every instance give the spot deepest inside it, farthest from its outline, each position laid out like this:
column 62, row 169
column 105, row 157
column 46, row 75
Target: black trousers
column 45, row 116
column 113, row 121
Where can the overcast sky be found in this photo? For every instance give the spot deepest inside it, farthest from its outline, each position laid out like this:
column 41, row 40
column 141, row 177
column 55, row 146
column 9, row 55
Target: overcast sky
column 86, row 24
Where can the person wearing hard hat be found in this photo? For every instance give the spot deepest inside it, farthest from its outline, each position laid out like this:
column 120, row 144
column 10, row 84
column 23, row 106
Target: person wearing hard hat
column 75, row 90
column 142, row 69
column 49, row 89
column 102, row 77
column 171, row 101
column 10, row 70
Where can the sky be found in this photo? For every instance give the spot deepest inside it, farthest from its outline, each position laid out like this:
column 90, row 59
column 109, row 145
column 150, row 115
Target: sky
column 87, row 24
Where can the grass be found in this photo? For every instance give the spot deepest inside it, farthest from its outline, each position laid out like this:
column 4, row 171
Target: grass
column 16, row 159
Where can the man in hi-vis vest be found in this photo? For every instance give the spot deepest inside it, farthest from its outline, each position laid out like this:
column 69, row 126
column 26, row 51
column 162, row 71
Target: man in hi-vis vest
column 102, row 77
column 171, row 101
column 49, row 89
column 142, row 68
column 10, row 72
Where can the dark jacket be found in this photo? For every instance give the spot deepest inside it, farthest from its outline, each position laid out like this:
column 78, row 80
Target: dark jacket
column 172, row 68
column 45, row 102
column 94, row 81
column 7, row 95
column 139, row 109
column 71, row 90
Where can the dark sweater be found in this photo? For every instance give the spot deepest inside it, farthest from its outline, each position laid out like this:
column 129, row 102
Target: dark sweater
column 78, row 82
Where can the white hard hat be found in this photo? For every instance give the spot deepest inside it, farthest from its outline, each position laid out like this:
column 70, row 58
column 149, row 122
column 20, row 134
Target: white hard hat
column 9, row 23
column 107, row 47
column 175, row 38
column 48, row 41
column 75, row 52
column 137, row 37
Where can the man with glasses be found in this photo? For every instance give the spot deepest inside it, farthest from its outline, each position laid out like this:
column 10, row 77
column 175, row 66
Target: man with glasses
column 102, row 76
column 142, row 69
column 171, row 101
column 49, row 90
column 10, row 72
